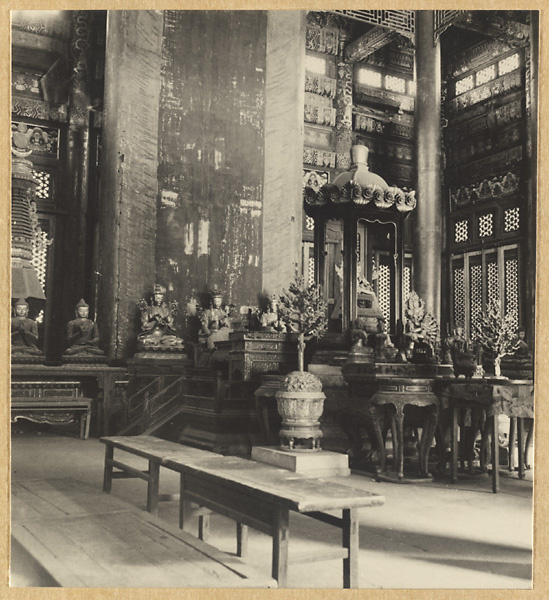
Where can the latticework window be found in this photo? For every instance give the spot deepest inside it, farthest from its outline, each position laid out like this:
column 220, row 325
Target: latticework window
column 461, row 231
column 485, row 75
column 480, row 277
column 465, row 84
column 486, row 225
column 395, row 84
column 369, row 77
column 406, row 282
column 511, row 219
column 512, row 287
column 309, row 223
column 384, row 291
column 311, row 270
column 459, row 297
column 43, row 189
column 475, row 287
column 508, row 64
column 492, row 281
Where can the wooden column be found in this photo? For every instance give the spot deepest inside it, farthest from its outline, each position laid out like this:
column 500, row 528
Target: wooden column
column 129, row 178
column 529, row 255
column 428, row 215
column 284, row 101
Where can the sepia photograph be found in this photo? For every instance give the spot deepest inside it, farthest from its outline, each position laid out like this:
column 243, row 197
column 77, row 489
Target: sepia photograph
column 273, row 298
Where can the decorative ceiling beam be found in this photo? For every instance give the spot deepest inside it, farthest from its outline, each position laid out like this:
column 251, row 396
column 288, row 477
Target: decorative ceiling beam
column 368, row 43
column 495, row 26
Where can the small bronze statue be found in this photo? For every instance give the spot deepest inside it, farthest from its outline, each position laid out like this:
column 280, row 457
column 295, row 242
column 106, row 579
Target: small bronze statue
column 83, row 337
column 24, row 334
column 462, row 358
column 157, row 324
column 216, row 321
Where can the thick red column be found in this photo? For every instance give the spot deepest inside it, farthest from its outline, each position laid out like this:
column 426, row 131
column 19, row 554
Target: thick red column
column 428, row 215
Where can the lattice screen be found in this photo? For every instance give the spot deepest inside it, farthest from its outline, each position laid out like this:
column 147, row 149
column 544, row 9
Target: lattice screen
column 461, row 231
column 395, row 84
column 475, row 292
column 508, row 64
column 492, row 281
column 309, row 223
column 486, row 225
column 459, row 297
column 406, row 283
column 311, row 270
column 40, row 262
column 465, row 84
column 512, row 287
column 485, row 75
column 511, row 219
column 401, row 20
column 43, row 189
column 384, row 291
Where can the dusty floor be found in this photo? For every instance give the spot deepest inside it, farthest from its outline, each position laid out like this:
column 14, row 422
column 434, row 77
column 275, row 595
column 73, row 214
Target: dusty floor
column 435, row 535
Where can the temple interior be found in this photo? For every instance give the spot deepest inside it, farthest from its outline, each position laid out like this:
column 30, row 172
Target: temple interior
column 290, row 258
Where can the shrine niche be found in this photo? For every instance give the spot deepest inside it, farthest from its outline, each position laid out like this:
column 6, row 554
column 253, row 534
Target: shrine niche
column 358, row 236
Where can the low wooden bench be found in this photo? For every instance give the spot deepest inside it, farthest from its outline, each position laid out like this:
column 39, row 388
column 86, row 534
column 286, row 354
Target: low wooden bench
column 158, row 453
column 83, row 538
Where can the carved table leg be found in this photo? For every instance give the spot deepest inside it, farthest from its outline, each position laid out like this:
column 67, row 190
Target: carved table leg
column 375, row 412
column 512, row 441
column 399, row 418
column 454, row 444
column 426, row 440
column 520, row 439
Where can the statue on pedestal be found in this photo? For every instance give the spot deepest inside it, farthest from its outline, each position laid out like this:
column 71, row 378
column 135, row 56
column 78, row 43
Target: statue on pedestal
column 270, row 319
column 216, row 321
column 157, row 324
column 24, row 335
column 83, row 337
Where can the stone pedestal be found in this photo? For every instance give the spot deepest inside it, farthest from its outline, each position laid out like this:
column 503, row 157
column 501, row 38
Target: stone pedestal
column 315, row 464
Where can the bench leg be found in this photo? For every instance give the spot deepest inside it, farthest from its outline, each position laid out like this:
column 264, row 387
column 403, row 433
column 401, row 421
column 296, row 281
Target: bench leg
column 281, row 538
column 152, row 488
column 83, row 425
column 107, row 473
column 184, row 505
column 203, row 527
column 241, row 540
column 350, row 542
column 495, row 454
column 88, row 419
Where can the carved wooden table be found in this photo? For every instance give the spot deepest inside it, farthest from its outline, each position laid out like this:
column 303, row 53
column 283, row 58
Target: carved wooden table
column 255, row 353
column 403, row 392
column 103, row 375
column 496, row 396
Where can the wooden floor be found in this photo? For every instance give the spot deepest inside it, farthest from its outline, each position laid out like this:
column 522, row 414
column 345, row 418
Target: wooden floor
column 84, row 538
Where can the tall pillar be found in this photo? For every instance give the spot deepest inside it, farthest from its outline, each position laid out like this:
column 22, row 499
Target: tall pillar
column 284, row 101
column 428, row 215
column 129, row 174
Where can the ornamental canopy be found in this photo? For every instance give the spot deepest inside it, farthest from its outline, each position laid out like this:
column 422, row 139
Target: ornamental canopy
column 360, row 187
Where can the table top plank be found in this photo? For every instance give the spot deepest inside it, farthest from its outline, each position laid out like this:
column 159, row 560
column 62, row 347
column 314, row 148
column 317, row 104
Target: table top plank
column 150, row 447
column 298, row 492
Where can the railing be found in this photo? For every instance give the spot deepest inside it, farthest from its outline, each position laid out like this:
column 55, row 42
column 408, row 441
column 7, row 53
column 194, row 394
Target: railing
column 152, row 406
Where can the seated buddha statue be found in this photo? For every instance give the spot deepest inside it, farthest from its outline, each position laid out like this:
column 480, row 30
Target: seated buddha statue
column 24, row 333
column 82, row 335
column 157, row 324
column 270, row 319
column 216, row 323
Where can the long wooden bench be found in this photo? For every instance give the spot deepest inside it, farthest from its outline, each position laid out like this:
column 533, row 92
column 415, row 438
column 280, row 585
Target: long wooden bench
column 254, row 495
column 158, row 453
column 83, row 538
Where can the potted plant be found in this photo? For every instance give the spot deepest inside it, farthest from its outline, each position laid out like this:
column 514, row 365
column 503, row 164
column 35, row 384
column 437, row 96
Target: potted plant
column 496, row 334
column 300, row 400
